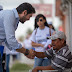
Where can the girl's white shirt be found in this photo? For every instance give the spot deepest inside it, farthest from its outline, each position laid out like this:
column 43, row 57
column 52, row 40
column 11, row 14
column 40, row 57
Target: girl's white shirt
column 40, row 36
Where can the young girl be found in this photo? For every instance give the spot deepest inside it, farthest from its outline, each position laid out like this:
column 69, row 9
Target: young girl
column 39, row 39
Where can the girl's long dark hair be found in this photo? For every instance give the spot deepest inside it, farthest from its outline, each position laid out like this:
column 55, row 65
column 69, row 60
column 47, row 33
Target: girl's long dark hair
column 37, row 18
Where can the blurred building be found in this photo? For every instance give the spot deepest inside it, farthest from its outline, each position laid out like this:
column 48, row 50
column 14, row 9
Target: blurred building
column 64, row 12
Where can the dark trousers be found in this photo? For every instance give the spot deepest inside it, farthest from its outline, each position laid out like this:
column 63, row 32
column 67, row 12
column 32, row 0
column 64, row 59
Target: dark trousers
column 1, row 70
column 4, row 62
column 7, row 62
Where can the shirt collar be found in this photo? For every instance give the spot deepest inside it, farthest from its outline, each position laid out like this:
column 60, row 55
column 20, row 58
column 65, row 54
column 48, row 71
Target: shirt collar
column 16, row 13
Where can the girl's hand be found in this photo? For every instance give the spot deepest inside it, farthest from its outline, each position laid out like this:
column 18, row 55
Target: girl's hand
column 41, row 45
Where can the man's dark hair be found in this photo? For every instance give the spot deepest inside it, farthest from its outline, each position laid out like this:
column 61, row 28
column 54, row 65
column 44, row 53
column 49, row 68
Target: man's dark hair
column 25, row 6
column 37, row 18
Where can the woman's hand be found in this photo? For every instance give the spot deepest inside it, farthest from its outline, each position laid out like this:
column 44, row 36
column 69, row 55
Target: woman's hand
column 42, row 45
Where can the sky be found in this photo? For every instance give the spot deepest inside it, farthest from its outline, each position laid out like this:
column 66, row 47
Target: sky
column 9, row 4
column 22, row 28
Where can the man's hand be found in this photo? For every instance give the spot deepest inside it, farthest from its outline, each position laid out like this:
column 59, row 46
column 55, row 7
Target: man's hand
column 42, row 45
column 35, row 70
column 21, row 50
column 31, row 54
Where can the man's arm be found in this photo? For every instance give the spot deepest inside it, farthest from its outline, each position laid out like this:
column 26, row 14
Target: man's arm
column 26, row 52
column 40, row 54
column 42, row 68
column 31, row 52
column 9, row 27
column 21, row 50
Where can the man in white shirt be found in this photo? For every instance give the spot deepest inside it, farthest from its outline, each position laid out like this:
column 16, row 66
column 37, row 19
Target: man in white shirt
column 9, row 20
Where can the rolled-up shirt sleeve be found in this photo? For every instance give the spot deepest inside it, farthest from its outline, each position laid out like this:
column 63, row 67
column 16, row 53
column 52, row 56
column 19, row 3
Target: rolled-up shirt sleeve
column 49, row 53
column 9, row 26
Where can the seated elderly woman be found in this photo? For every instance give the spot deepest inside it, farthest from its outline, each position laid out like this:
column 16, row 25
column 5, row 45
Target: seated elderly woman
column 61, row 58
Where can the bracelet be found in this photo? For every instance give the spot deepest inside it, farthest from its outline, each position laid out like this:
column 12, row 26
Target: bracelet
column 26, row 52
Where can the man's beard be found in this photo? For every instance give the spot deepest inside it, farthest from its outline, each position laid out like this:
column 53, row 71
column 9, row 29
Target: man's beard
column 23, row 19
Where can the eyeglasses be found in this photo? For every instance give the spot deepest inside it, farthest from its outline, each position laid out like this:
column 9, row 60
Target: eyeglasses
column 39, row 20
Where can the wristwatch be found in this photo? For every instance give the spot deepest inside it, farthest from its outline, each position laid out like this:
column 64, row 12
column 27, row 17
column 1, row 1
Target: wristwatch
column 26, row 52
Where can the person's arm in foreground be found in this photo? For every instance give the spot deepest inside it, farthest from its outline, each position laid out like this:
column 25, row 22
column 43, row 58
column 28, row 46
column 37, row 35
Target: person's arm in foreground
column 39, row 54
column 34, row 53
column 21, row 50
column 42, row 68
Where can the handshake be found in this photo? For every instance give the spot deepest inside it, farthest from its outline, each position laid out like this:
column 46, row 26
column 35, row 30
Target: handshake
column 30, row 53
